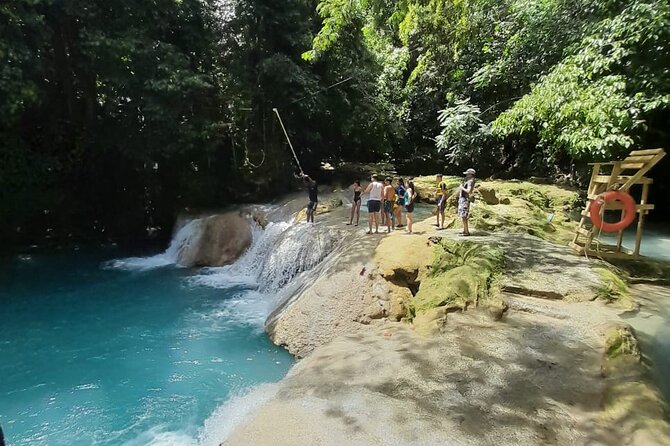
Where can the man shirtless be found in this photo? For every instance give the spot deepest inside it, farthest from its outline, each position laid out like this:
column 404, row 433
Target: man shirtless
column 389, row 200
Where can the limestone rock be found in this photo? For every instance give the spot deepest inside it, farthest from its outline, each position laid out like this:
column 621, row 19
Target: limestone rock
column 223, row 240
column 321, row 208
column 430, row 322
column 488, row 194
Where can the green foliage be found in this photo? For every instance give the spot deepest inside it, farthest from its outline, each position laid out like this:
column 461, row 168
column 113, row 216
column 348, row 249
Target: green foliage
column 130, row 111
column 593, row 103
column 463, row 133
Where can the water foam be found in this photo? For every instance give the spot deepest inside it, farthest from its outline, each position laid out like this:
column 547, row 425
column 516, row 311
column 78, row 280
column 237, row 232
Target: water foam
column 218, row 426
column 186, row 237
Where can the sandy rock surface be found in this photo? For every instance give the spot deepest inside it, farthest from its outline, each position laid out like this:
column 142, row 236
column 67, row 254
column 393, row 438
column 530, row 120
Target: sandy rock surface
column 533, row 378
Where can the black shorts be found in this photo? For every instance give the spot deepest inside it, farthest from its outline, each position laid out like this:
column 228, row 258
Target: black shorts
column 374, row 206
column 442, row 204
column 388, row 207
column 311, row 206
column 409, row 208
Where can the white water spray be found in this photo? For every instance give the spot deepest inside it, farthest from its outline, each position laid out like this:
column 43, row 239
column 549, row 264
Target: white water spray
column 186, row 238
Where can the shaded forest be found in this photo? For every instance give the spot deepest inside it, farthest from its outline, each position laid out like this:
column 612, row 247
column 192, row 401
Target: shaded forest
column 116, row 115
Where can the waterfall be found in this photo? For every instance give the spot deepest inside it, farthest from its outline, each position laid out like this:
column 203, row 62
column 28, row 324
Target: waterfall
column 186, row 238
column 277, row 254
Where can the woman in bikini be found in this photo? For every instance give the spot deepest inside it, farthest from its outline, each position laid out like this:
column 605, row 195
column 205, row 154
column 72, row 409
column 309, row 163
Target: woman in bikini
column 410, row 195
column 356, row 205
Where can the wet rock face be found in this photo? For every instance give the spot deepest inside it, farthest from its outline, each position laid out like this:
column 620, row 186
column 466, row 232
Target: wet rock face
column 223, row 239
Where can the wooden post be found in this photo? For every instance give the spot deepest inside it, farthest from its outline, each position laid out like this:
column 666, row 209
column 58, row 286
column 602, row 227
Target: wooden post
column 619, row 239
column 640, row 221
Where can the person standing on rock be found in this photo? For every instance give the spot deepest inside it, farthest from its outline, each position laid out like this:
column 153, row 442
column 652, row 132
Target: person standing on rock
column 410, row 195
column 312, row 192
column 441, row 200
column 389, row 201
column 356, row 204
column 400, row 203
column 465, row 192
column 375, row 190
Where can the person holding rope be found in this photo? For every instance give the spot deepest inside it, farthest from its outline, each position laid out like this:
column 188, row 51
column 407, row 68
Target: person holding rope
column 312, row 192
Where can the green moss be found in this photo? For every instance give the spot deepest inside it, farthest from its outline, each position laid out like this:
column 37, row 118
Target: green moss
column 620, row 341
column 540, row 210
column 462, row 273
column 427, row 187
column 613, row 287
column 521, row 216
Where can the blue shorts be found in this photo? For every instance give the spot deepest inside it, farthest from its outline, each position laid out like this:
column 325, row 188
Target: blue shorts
column 374, row 205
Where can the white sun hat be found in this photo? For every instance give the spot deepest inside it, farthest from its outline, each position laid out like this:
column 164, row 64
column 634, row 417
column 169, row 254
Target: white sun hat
column 470, row 171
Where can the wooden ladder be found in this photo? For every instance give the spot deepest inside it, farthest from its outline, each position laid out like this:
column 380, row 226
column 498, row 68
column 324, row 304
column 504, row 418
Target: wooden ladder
column 624, row 175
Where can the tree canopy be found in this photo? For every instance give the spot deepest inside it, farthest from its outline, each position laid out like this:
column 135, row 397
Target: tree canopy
column 114, row 115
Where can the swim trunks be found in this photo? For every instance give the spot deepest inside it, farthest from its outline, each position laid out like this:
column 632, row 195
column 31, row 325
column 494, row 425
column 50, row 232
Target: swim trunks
column 374, row 205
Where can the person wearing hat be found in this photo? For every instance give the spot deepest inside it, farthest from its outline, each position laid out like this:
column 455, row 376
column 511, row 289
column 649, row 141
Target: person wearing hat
column 465, row 193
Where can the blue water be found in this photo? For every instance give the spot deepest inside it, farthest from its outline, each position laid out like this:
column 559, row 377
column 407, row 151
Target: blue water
column 107, row 357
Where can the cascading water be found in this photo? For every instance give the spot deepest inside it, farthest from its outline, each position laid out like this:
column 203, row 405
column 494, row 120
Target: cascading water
column 186, row 238
column 277, row 255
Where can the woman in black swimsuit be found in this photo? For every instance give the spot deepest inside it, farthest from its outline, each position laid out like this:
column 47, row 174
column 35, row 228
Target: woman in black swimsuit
column 356, row 205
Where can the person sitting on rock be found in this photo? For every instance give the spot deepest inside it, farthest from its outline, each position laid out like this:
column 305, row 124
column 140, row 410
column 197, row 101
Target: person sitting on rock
column 389, row 201
column 465, row 192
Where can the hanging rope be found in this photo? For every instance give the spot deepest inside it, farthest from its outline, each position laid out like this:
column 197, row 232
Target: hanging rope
column 248, row 162
column 289, row 141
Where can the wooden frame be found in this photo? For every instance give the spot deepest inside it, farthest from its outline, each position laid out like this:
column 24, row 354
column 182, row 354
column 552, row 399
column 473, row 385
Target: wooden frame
column 622, row 177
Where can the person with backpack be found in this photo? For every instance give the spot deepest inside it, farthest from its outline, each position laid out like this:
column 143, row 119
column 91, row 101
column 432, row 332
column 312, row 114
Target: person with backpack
column 465, row 197
column 400, row 203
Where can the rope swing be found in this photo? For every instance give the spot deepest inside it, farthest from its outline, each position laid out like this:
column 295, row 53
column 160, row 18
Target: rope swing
column 289, row 141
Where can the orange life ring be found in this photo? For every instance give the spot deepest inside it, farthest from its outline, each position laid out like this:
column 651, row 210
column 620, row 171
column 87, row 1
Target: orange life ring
column 628, row 216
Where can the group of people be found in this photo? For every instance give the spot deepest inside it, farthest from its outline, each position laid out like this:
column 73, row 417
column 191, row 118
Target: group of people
column 387, row 199
column 385, row 203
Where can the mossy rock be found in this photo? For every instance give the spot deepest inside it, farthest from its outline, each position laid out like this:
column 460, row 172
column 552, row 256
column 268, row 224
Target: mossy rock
column 426, row 187
column 541, row 210
column 621, row 342
column 463, row 273
column 613, row 287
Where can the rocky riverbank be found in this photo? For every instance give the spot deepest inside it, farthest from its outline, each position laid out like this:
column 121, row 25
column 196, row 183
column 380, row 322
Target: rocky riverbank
column 505, row 338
